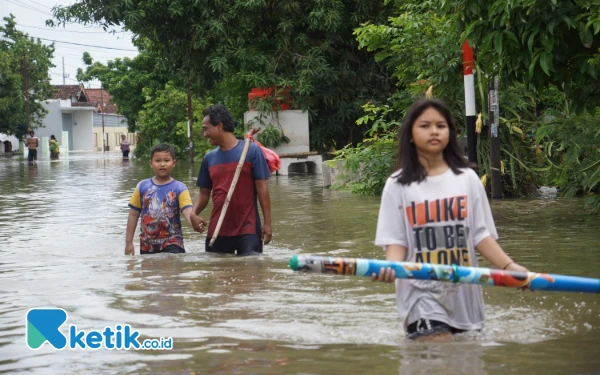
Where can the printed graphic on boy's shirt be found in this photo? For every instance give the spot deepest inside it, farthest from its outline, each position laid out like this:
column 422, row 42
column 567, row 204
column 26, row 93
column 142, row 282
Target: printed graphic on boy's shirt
column 440, row 230
column 159, row 224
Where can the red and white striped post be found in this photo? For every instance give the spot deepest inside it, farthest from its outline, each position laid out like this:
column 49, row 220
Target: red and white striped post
column 470, row 101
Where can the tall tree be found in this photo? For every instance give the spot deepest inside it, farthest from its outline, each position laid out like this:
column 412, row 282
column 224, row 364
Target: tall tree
column 540, row 43
column 24, row 79
column 125, row 80
column 306, row 45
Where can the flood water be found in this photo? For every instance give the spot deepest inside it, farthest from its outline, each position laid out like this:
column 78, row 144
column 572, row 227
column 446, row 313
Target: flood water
column 62, row 229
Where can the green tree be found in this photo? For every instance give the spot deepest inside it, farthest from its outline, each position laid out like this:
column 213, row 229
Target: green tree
column 24, row 80
column 539, row 43
column 125, row 80
column 307, row 46
column 163, row 118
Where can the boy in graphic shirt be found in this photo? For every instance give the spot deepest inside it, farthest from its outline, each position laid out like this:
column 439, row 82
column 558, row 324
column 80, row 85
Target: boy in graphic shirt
column 159, row 201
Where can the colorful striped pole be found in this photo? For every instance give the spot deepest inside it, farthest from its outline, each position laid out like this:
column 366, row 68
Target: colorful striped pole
column 441, row 272
column 470, row 100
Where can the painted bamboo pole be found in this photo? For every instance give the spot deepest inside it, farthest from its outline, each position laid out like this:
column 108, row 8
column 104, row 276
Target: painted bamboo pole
column 440, row 272
column 470, row 112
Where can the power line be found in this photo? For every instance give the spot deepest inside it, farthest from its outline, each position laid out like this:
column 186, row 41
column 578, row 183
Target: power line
column 60, row 75
column 42, row 5
column 70, row 31
column 89, row 45
column 28, row 7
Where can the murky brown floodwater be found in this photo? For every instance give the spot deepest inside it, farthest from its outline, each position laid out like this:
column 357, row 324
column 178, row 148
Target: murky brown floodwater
column 62, row 230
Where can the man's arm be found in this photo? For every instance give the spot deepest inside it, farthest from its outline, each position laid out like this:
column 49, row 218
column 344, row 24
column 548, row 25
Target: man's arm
column 200, row 204
column 265, row 204
column 132, row 220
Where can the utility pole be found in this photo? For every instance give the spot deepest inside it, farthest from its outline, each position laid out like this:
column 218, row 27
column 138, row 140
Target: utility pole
column 190, row 119
column 469, row 83
column 494, row 115
column 26, row 76
column 102, row 111
column 63, row 60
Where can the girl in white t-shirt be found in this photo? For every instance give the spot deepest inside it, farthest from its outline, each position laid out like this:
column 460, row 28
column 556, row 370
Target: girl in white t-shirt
column 435, row 210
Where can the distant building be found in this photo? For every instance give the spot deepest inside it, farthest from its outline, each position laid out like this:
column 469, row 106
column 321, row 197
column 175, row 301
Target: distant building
column 82, row 112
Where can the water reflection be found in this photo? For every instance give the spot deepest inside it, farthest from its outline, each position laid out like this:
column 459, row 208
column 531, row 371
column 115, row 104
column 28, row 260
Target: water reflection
column 445, row 358
column 62, row 227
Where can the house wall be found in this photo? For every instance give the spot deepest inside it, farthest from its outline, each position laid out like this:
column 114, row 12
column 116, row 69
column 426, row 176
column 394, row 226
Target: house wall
column 52, row 122
column 294, row 124
column 83, row 137
column 114, row 126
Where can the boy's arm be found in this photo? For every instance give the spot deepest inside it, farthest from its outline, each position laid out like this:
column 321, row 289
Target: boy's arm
column 490, row 250
column 265, row 204
column 200, row 204
column 132, row 220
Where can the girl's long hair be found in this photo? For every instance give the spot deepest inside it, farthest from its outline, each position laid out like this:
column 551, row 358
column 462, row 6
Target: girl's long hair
column 412, row 171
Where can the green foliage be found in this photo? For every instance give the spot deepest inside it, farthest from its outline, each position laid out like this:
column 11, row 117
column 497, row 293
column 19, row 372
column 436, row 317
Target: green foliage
column 367, row 166
column 541, row 43
column 24, row 81
column 272, row 137
column 306, row 45
column 572, row 144
column 163, row 119
column 128, row 81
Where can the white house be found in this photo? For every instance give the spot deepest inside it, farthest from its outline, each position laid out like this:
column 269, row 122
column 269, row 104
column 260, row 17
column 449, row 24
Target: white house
column 76, row 121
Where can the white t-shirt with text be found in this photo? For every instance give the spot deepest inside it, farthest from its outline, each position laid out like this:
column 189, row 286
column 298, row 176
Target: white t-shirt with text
column 439, row 220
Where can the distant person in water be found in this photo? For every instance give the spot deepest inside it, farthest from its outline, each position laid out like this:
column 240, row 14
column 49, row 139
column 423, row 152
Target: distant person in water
column 32, row 142
column 160, row 201
column 125, row 146
column 54, row 148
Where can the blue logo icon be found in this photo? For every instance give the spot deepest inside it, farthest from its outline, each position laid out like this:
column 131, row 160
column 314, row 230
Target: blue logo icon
column 43, row 326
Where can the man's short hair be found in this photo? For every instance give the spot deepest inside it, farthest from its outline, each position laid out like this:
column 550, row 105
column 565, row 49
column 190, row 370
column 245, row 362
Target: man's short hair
column 219, row 113
column 163, row 147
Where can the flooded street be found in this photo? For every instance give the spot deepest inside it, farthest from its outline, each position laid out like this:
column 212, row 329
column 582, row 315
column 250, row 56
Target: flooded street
column 62, row 236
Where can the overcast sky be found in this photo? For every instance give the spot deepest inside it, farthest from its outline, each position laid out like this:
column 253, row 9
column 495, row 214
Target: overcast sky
column 31, row 16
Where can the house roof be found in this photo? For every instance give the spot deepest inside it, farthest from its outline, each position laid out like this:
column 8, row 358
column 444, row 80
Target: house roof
column 98, row 96
column 66, row 92
column 86, row 97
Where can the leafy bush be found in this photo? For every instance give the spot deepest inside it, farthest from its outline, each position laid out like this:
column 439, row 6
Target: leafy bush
column 572, row 145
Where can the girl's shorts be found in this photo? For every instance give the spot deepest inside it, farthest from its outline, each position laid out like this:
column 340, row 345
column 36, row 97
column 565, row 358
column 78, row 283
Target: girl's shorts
column 427, row 327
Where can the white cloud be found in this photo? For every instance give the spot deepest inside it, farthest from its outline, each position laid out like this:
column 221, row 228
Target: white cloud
column 31, row 16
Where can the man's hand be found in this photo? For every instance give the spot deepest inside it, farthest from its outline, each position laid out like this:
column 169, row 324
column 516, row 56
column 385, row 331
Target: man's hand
column 198, row 223
column 129, row 248
column 266, row 233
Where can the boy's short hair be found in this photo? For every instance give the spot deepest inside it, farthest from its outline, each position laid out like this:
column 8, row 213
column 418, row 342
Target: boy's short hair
column 163, row 147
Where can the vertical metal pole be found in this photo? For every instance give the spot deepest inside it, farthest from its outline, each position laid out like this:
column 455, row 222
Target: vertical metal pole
column 63, row 60
column 102, row 109
column 470, row 112
column 190, row 119
column 26, row 74
column 494, row 114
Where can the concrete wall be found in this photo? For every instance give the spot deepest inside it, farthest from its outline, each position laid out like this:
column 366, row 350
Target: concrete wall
column 294, row 124
column 83, row 137
column 114, row 126
column 52, row 122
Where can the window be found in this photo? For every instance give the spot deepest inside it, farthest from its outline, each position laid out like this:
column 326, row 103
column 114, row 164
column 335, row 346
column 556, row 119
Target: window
column 132, row 138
